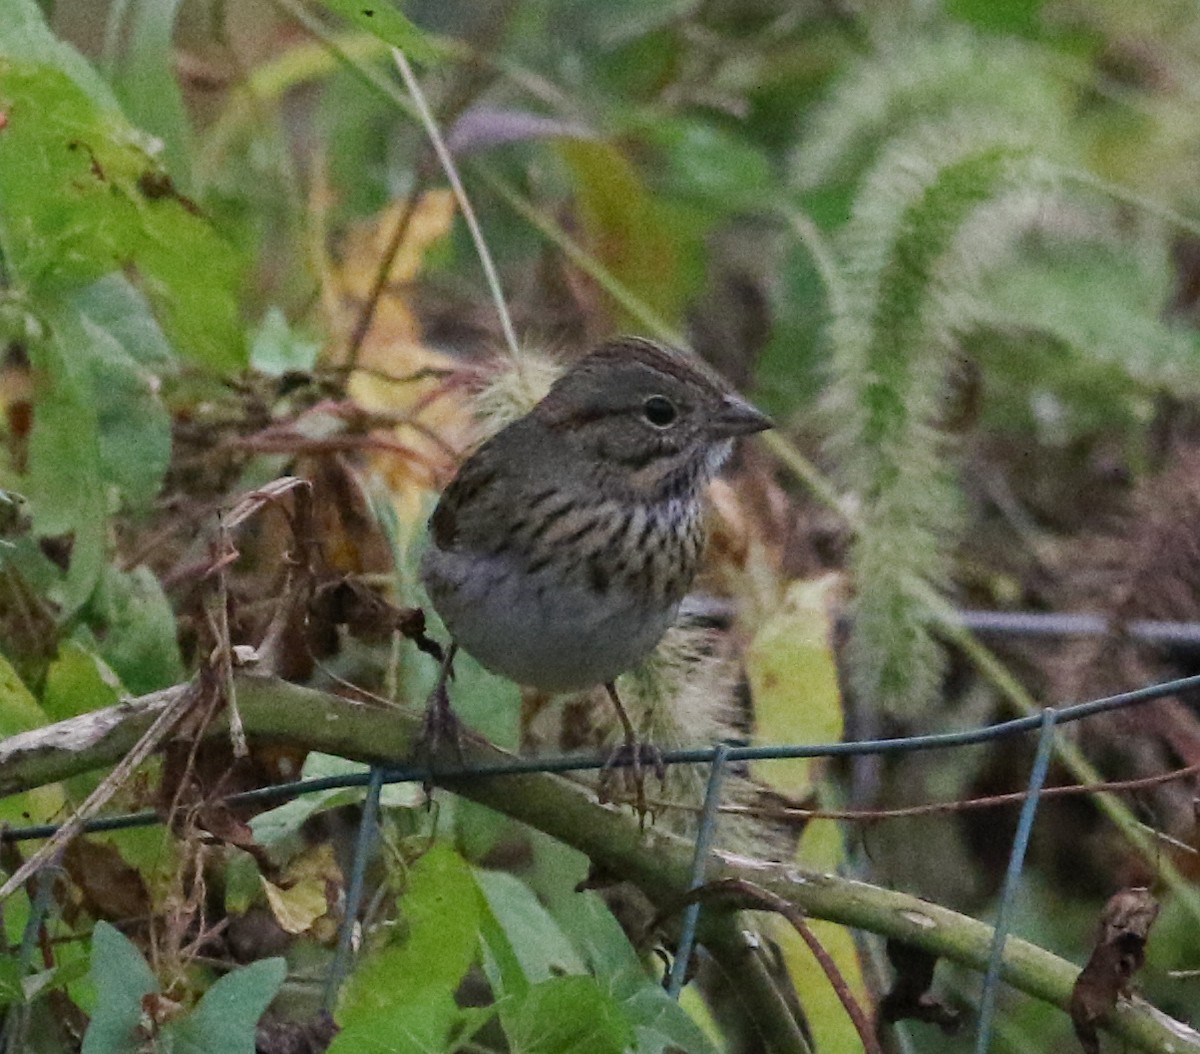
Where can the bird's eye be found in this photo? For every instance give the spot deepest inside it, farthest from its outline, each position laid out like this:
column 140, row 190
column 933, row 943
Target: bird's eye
column 659, row 411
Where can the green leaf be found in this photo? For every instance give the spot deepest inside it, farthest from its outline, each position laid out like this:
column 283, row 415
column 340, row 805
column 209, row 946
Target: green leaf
column 135, row 629
column 19, row 710
column 84, row 197
column 121, row 978
column 226, row 1018
column 658, row 1021
column 999, row 16
column 77, row 682
column 65, row 485
column 277, row 349
column 401, row 998
column 116, row 306
column 25, row 35
column 146, row 82
column 285, row 820
column 597, row 936
column 133, row 426
column 65, row 973
column 381, row 19
column 566, row 1015
column 11, row 975
column 435, row 1025
column 661, row 1025
column 531, row 947
column 441, row 909
column 707, row 163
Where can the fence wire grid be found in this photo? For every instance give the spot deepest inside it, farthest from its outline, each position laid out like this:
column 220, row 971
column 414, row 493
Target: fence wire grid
column 718, row 758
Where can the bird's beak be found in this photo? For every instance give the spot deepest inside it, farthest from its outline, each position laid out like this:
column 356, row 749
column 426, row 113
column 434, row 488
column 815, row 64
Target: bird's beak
column 736, row 417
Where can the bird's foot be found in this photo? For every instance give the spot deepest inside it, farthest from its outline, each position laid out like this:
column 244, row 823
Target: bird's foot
column 632, row 759
column 441, row 723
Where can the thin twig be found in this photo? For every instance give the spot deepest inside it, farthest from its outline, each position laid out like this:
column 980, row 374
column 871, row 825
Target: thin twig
column 383, row 272
column 223, row 648
column 960, row 805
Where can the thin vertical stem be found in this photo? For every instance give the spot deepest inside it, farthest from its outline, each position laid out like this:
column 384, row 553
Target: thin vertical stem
column 464, row 203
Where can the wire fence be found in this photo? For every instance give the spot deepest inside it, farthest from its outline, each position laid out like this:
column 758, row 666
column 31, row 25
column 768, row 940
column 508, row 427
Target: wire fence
column 719, row 758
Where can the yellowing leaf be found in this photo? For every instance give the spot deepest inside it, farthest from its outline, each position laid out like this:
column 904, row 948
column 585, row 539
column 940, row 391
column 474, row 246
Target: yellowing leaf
column 394, row 326
column 297, row 908
column 793, row 681
column 303, row 901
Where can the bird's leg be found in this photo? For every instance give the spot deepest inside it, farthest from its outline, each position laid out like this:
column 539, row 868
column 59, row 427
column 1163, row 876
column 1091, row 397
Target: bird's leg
column 441, row 722
column 635, row 752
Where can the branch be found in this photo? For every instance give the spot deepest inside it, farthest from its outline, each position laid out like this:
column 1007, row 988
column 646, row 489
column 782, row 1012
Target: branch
column 658, row 862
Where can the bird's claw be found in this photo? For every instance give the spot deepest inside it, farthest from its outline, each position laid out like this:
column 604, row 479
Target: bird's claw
column 441, row 725
column 633, row 758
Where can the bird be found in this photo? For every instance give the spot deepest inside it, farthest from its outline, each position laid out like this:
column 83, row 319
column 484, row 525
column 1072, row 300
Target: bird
column 560, row 552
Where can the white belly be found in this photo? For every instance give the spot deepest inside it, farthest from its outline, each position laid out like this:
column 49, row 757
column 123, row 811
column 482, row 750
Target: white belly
column 553, row 638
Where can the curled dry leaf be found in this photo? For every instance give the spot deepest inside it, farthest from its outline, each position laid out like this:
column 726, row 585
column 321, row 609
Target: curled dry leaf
column 110, row 888
column 1119, row 953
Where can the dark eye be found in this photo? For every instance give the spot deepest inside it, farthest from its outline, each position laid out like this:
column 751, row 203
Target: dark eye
column 659, row 411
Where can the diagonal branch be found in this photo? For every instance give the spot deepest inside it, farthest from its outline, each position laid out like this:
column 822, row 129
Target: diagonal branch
column 658, row 862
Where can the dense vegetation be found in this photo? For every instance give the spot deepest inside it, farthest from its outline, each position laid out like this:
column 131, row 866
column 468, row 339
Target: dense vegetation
column 246, row 338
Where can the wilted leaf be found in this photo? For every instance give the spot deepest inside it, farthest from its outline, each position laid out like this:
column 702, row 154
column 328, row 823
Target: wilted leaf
column 626, row 230
column 1119, row 953
column 300, row 898
column 297, row 907
column 110, row 887
column 909, row 998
